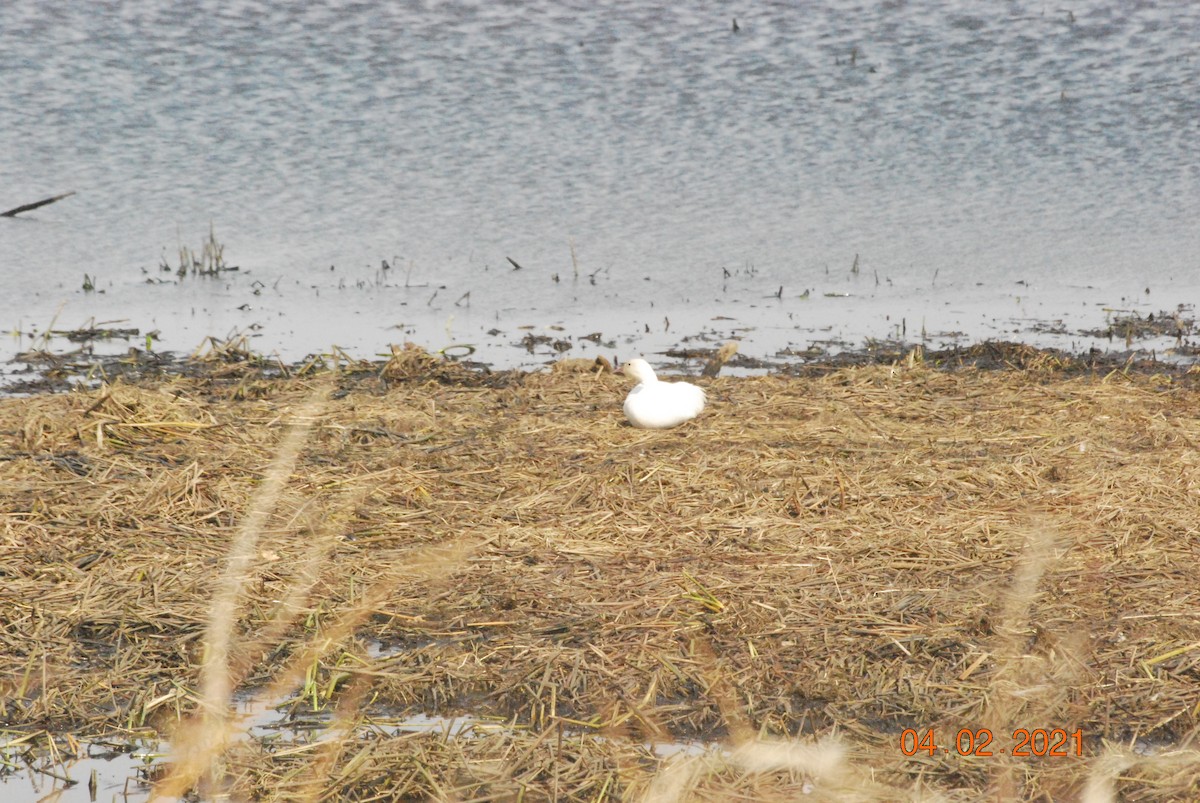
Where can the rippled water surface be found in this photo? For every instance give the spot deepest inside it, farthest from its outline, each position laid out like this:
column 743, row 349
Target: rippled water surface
column 829, row 173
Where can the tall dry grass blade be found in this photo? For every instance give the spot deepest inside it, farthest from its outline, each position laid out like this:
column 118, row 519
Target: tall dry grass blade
column 1174, row 769
column 200, row 741
column 1103, row 773
column 1015, row 686
column 718, row 360
column 675, row 780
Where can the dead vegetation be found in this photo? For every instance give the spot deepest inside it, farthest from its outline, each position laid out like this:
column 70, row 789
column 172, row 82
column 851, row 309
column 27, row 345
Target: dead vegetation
column 1129, row 326
column 812, row 567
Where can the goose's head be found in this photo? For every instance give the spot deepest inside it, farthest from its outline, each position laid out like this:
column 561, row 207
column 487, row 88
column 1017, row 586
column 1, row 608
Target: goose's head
column 639, row 370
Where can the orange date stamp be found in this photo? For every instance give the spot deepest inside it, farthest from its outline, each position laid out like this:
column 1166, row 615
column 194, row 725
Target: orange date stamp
column 1026, row 743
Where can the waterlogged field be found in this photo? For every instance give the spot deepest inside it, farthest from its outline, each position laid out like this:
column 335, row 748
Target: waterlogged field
column 915, row 581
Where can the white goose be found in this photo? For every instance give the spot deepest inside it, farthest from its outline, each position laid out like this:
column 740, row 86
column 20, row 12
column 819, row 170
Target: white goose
column 658, row 405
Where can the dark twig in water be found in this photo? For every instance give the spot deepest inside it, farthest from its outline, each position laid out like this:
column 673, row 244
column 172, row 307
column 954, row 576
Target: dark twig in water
column 29, row 207
column 513, row 262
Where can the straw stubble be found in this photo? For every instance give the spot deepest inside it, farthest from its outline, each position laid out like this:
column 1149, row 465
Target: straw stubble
column 796, row 578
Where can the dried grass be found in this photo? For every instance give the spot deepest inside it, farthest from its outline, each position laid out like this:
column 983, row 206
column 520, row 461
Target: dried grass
column 813, row 566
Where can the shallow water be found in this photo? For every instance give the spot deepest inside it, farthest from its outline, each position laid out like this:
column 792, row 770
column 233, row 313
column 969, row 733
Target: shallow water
column 982, row 166
column 120, row 776
column 121, row 769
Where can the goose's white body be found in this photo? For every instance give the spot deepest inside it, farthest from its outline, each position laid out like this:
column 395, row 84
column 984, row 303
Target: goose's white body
column 658, row 405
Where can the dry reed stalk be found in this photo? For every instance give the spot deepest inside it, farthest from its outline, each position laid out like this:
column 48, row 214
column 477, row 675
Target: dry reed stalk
column 199, row 742
column 1021, row 680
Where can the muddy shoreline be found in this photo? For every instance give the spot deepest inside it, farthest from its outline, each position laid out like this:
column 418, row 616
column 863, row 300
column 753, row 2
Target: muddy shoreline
column 1161, row 341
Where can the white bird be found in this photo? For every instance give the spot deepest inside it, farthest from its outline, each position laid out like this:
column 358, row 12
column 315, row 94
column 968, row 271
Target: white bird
column 658, row 405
